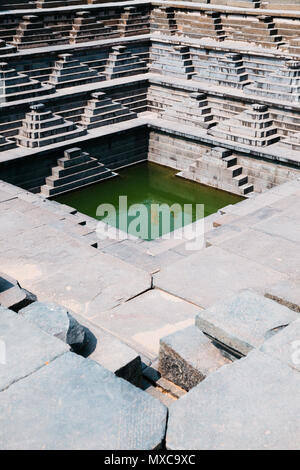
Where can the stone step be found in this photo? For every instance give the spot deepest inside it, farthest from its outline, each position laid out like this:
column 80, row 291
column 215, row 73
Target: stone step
column 95, row 170
column 49, row 191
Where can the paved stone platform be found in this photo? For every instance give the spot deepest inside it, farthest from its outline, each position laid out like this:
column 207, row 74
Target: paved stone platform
column 250, row 404
column 83, row 406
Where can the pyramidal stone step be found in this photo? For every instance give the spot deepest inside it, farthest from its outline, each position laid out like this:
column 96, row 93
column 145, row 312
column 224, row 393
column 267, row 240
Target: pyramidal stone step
column 133, row 22
column 32, row 32
column 69, row 71
column 122, row 63
column 41, row 127
column 102, row 111
column 75, row 170
column 173, row 60
column 225, row 71
column 251, row 127
column 283, row 84
column 192, row 111
column 163, row 21
column 86, row 27
column 17, row 86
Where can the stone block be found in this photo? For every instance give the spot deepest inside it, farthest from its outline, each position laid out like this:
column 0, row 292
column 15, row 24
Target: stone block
column 27, row 348
column 56, row 321
column 244, row 321
column 252, row 404
column 187, row 357
column 80, row 406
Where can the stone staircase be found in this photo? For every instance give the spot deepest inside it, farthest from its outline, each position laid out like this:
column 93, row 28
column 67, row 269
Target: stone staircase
column 103, row 111
column 57, row 3
column 163, row 21
column 69, row 71
column 173, row 60
column 218, row 168
column 228, row 70
column 252, row 127
column 122, row 63
column 32, row 32
column 87, row 28
column 18, row 86
column 133, row 22
column 260, row 30
column 203, row 24
column 284, row 84
column 41, row 127
column 75, row 170
column 193, row 111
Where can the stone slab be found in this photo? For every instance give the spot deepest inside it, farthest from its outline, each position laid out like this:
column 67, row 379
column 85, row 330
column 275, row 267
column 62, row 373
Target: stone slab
column 56, row 321
column 252, row 404
column 286, row 293
column 285, row 346
column 27, row 348
column 244, row 321
column 142, row 321
column 80, row 406
column 269, row 250
column 209, row 275
column 187, row 357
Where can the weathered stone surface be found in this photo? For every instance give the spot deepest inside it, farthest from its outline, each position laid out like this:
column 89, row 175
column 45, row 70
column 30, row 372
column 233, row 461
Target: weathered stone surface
column 213, row 273
column 286, row 293
column 285, row 346
column 80, row 406
column 27, row 348
column 252, row 404
column 187, row 357
column 147, row 318
column 56, row 321
column 244, row 321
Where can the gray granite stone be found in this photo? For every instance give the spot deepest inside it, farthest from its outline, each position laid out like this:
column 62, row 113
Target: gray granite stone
column 285, row 346
column 80, row 406
column 244, row 321
column 142, row 321
column 252, row 404
column 209, row 275
column 27, row 348
column 56, row 321
column 187, row 357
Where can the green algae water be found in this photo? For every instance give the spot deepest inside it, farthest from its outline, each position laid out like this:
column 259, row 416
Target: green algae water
column 147, row 184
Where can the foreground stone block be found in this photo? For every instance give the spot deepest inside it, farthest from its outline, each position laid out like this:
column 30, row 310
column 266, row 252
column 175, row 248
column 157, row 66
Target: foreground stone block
column 27, row 348
column 56, row 321
column 80, row 405
column 244, row 321
column 252, row 404
column 187, row 357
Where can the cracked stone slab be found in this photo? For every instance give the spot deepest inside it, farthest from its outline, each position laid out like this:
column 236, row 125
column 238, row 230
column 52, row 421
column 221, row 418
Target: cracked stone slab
column 142, row 321
column 244, row 321
column 56, row 321
column 252, row 404
column 187, row 357
column 285, row 346
column 209, row 275
column 80, row 406
column 27, row 348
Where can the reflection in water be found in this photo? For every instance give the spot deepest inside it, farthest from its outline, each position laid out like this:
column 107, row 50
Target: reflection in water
column 148, row 184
